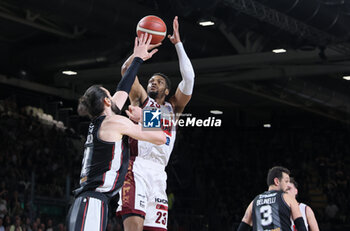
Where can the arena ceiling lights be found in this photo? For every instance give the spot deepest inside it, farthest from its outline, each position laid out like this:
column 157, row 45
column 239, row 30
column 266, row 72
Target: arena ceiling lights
column 216, row 112
column 277, row 51
column 207, row 23
column 69, row 72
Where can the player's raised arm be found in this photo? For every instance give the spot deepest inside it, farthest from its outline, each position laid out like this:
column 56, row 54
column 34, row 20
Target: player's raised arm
column 137, row 93
column 127, row 127
column 141, row 53
column 117, row 125
column 247, row 220
column 311, row 219
column 184, row 91
column 295, row 212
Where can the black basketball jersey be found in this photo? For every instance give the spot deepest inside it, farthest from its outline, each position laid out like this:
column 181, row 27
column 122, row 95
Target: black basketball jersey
column 104, row 164
column 271, row 212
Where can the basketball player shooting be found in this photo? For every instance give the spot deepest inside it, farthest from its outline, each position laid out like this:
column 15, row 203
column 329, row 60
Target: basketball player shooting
column 143, row 203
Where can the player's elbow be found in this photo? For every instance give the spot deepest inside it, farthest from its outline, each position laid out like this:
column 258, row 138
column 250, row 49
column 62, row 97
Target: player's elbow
column 246, row 220
column 161, row 139
column 123, row 69
column 188, row 73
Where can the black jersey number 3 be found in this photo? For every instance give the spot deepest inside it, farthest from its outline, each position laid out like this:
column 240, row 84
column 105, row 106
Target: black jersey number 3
column 266, row 215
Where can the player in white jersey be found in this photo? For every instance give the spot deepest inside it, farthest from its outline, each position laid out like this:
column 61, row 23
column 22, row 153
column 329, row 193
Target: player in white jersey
column 143, row 203
column 306, row 212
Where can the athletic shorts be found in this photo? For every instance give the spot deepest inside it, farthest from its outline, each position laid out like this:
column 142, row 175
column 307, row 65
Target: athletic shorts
column 89, row 212
column 144, row 193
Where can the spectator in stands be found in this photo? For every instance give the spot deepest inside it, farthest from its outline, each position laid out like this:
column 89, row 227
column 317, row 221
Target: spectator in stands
column 42, row 226
column 331, row 212
column 17, row 224
column 2, row 228
column 60, row 227
column 7, row 222
column 27, row 225
column 3, row 207
column 35, row 226
column 49, row 225
column 15, row 206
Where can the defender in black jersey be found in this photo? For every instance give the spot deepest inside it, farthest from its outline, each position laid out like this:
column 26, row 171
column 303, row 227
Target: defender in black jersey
column 106, row 155
column 271, row 210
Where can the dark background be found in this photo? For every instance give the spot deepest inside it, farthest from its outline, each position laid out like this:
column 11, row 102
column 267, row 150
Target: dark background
column 213, row 173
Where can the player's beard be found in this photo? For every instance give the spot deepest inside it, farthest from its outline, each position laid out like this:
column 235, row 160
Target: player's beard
column 153, row 94
column 115, row 108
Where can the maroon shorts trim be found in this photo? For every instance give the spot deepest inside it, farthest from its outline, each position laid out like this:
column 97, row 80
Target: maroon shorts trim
column 149, row 228
column 126, row 210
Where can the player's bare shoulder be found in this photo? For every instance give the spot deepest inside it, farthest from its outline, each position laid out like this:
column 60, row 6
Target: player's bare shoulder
column 112, row 127
column 114, row 122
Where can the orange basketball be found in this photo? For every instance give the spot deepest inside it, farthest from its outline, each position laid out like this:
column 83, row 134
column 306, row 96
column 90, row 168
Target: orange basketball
column 152, row 25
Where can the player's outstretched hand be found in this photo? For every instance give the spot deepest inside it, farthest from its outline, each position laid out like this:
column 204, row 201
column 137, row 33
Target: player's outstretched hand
column 175, row 38
column 143, row 47
column 152, row 46
column 134, row 113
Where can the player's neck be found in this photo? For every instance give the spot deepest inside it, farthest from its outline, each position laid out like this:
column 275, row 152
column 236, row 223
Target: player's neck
column 160, row 101
column 107, row 112
column 274, row 188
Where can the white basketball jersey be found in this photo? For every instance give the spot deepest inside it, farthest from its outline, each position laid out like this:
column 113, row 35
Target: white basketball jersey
column 302, row 208
column 159, row 153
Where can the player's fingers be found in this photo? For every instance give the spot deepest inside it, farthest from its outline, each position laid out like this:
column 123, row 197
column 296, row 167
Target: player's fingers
column 153, row 52
column 149, row 40
column 152, row 46
column 128, row 113
column 145, row 38
column 135, row 45
column 133, row 109
column 141, row 39
column 176, row 23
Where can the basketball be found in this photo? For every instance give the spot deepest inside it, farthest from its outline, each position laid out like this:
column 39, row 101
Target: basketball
column 152, row 25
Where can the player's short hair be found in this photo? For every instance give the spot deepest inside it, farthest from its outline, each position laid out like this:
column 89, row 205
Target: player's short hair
column 276, row 172
column 91, row 103
column 292, row 180
column 167, row 80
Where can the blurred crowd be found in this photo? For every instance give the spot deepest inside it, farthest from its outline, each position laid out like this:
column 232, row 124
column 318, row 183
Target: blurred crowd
column 213, row 174
column 32, row 149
